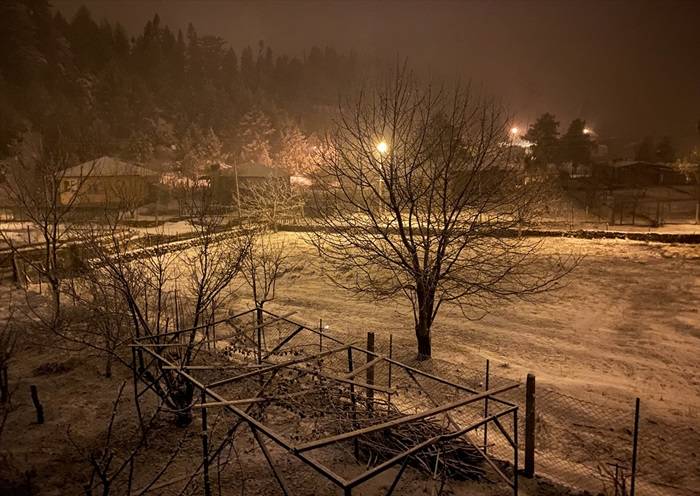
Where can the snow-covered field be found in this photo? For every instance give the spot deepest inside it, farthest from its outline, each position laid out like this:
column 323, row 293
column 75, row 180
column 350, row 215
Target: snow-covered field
column 626, row 324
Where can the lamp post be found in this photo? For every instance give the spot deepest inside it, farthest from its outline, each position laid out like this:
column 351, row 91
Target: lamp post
column 383, row 149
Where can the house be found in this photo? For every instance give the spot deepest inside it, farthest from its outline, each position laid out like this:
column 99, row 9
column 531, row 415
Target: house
column 107, row 181
column 234, row 183
column 638, row 174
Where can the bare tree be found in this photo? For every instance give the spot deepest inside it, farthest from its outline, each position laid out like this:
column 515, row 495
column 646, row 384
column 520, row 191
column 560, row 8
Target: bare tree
column 273, row 201
column 105, row 325
column 114, row 464
column 127, row 194
column 415, row 200
column 8, row 342
column 216, row 261
column 266, row 262
column 37, row 186
column 145, row 274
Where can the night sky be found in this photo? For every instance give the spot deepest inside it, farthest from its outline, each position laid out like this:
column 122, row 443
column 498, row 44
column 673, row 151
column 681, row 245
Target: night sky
column 630, row 68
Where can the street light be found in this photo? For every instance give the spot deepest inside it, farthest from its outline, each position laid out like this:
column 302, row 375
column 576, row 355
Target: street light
column 514, row 131
column 587, row 130
column 383, row 149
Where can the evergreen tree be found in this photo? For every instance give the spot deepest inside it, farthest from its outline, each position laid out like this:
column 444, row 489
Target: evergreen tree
column 82, row 35
column 294, row 152
column 665, row 152
column 645, row 150
column 576, row 145
column 248, row 68
column 254, row 134
column 202, row 152
column 544, row 136
column 81, row 73
column 229, row 70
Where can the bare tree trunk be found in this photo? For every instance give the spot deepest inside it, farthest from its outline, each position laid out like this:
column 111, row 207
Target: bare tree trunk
column 108, row 359
column 56, row 297
column 426, row 301
column 4, row 388
column 259, row 329
column 423, row 338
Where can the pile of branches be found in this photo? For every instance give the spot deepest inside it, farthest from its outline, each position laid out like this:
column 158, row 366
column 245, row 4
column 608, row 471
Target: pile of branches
column 330, row 410
column 455, row 458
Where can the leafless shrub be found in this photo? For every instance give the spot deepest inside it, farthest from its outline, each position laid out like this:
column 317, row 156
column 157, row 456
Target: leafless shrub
column 137, row 291
column 8, row 344
column 615, row 479
column 273, row 202
column 114, row 464
column 36, row 186
column 266, row 262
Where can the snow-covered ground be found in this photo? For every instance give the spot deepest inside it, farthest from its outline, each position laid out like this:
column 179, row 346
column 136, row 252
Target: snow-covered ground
column 626, row 324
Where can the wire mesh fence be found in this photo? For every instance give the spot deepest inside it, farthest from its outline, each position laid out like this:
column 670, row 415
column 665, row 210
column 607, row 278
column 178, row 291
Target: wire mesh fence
column 584, row 445
column 590, row 447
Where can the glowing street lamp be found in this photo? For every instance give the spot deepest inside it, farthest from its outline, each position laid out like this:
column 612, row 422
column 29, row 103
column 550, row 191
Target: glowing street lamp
column 587, row 130
column 383, row 147
column 514, row 131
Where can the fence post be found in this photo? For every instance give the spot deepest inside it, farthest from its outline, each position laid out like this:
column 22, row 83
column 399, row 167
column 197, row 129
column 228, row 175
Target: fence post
column 258, row 321
column 530, row 420
column 515, row 452
column 370, row 372
column 353, row 400
column 391, row 350
column 320, row 335
column 205, row 446
column 486, row 407
column 213, row 323
column 37, row 404
column 635, row 445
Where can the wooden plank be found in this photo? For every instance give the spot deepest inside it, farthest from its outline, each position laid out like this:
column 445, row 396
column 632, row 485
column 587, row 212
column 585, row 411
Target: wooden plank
column 530, row 425
column 277, row 366
column 172, row 333
column 342, row 379
column 156, row 345
column 359, row 370
column 202, row 367
column 315, row 331
column 257, row 399
column 278, row 476
column 399, row 421
column 276, row 319
column 372, row 387
column 283, row 342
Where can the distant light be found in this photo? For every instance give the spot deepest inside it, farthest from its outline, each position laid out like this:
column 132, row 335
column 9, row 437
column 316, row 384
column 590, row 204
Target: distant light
column 587, row 130
column 382, row 147
column 514, row 130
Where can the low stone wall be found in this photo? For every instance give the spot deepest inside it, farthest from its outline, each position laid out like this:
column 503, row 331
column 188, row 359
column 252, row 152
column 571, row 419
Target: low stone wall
column 656, row 237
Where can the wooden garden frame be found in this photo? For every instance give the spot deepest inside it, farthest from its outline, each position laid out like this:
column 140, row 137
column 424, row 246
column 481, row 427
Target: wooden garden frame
column 210, row 398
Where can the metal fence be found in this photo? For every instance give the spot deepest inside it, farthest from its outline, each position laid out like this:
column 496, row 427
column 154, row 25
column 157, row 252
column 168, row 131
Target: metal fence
column 588, row 446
